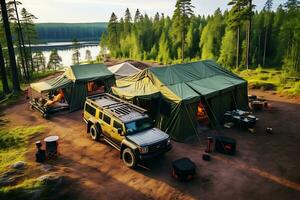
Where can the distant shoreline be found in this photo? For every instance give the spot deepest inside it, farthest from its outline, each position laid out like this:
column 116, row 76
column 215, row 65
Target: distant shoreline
column 62, row 45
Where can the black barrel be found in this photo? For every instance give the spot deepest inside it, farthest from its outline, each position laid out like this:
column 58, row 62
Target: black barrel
column 51, row 146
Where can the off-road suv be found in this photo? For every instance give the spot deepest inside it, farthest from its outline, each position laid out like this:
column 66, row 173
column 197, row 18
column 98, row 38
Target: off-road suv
column 124, row 126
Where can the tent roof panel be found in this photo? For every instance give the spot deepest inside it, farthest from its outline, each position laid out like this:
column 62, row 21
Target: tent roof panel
column 142, row 88
column 52, row 84
column 88, row 72
column 124, row 69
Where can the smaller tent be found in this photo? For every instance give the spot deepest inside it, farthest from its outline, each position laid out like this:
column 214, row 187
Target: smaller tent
column 123, row 69
column 74, row 83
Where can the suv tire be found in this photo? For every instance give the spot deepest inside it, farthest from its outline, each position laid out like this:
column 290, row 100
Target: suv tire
column 94, row 133
column 129, row 158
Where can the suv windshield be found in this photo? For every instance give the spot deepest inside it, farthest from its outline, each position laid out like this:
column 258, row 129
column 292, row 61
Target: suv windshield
column 138, row 125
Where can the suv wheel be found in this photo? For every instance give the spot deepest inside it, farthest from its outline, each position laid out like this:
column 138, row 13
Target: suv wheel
column 94, row 133
column 129, row 158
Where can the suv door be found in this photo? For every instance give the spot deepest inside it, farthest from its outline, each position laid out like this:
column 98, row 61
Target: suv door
column 106, row 125
column 114, row 134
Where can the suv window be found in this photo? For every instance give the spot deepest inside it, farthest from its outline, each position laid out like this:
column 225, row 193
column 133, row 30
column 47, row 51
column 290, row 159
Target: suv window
column 117, row 125
column 100, row 115
column 90, row 109
column 106, row 119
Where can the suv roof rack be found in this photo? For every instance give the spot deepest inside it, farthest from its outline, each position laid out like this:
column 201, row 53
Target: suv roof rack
column 117, row 107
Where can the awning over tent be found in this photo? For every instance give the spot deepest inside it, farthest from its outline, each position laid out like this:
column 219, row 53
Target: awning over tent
column 52, row 84
column 123, row 70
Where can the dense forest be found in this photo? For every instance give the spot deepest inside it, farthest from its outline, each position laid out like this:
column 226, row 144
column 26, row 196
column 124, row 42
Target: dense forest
column 237, row 38
column 54, row 32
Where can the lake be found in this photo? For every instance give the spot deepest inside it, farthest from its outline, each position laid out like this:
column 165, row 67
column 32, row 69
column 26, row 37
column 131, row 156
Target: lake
column 65, row 51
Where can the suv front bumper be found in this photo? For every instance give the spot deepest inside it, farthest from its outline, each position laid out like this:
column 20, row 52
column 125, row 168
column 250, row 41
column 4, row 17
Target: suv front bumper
column 154, row 154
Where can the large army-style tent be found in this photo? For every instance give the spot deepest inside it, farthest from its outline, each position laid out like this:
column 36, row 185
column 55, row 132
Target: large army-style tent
column 123, row 69
column 74, row 83
column 180, row 88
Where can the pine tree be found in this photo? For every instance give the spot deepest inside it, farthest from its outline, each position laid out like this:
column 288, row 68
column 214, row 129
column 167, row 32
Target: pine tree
column 13, row 64
column 211, row 37
column 54, row 60
column 228, row 49
column 237, row 15
column 291, row 37
column 88, row 55
column 181, row 19
column 76, row 53
column 267, row 9
column 163, row 52
column 127, row 22
column 113, row 35
column 137, row 16
column 39, row 61
column 30, row 34
column 3, row 75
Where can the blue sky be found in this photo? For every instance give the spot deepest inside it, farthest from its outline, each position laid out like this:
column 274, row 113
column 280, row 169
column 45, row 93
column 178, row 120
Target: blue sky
column 100, row 10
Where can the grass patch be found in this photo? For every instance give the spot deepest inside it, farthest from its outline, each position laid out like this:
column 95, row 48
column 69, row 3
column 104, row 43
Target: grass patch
column 270, row 79
column 13, row 144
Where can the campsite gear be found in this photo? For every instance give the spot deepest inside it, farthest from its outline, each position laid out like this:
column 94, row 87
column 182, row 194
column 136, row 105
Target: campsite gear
column 252, row 130
column 38, row 145
column 74, row 84
column 228, row 124
column 269, row 130
column 179, row 89
column 206, row 157
column 123, row 70
column 37, row 104
column 51, row 146
column 225, row 145
column 209, row 143
column 252, row 97
column 40, row 155
column 183, row 169
column 241, row 118
column 257, row 103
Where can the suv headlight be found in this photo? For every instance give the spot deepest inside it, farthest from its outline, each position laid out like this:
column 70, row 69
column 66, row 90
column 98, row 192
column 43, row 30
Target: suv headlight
column 168, row 141
column 143, row 149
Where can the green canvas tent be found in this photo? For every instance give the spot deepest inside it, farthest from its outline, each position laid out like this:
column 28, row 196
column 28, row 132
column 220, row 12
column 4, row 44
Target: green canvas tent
column 180, row 88
column 73, row 81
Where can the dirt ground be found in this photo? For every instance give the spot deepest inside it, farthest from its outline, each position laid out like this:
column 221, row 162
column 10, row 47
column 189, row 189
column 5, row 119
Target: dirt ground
column 265, row 167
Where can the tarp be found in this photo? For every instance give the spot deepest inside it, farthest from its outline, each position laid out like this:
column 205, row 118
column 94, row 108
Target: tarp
column 73, row 82
column 183, row 86
column 143, row 89
column 123, row 70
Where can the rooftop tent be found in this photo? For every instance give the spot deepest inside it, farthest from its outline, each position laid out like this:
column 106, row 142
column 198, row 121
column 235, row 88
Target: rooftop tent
column 123, row 70
column 73, row 81
column 182, row 87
